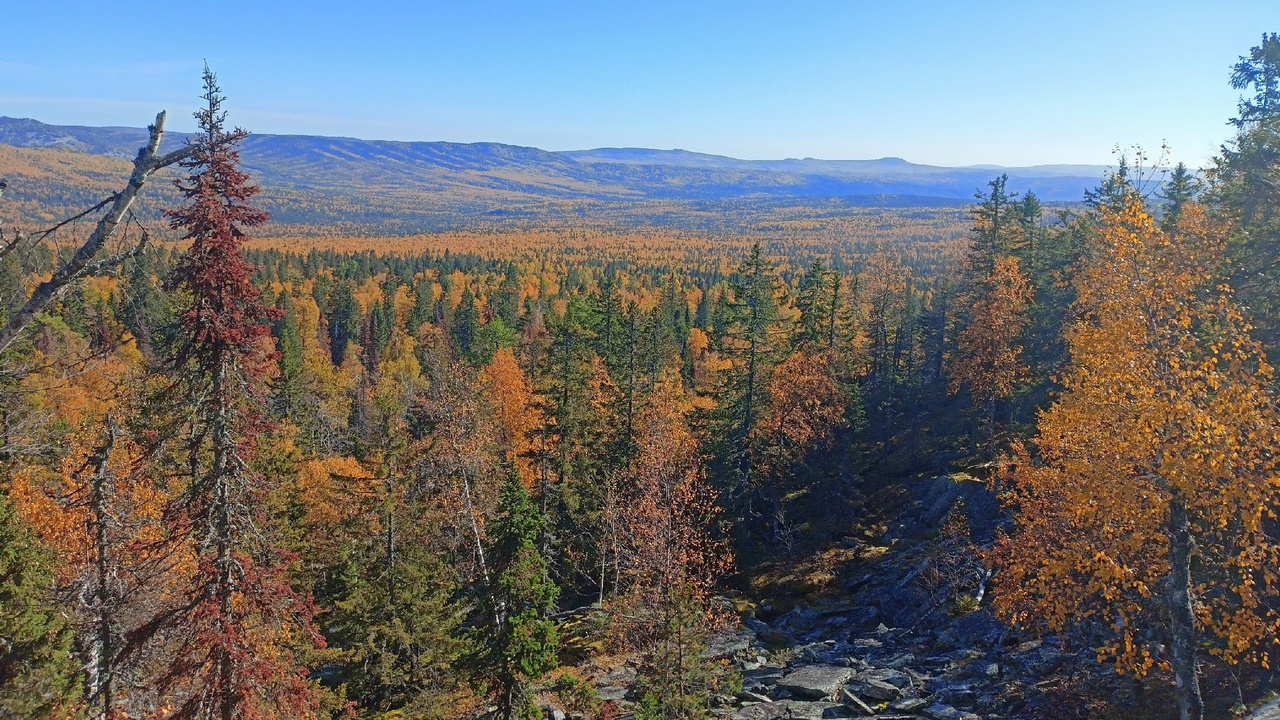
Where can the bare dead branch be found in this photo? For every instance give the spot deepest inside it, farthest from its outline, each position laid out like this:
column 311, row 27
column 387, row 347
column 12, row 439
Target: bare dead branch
column 82, row 263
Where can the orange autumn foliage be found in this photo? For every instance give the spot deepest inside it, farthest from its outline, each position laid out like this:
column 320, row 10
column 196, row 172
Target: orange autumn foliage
column 806, row 406
column 988, row 350
column 516, row 412
column 671, row 510
column 1167, row 404
column 334, row 493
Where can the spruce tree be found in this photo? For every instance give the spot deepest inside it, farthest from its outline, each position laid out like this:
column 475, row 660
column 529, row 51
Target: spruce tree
column 396, row 620
column 466, row 322
column 818, row 300
column 1181, row 188
column 235, row 617
column 290, row 387
column 344, row 321
column 514, row 642
column 39, row 676
column 751, row 339
column 1245, row 187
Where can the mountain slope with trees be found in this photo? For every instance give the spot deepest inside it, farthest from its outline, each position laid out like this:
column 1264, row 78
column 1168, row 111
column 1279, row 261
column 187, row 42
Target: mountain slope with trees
column 1023, row 473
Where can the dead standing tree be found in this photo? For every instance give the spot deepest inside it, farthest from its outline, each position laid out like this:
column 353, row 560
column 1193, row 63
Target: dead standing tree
column 86, row 260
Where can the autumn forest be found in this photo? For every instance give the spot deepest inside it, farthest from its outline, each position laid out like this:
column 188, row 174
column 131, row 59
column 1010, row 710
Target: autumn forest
column 1014, row 458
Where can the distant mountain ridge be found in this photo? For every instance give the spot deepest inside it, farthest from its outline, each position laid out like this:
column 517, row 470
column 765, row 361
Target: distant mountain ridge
column 325, row 178
column 601, row 172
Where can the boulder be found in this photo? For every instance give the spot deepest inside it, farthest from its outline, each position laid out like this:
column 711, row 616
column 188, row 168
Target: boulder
column 1270, row 711
column 611, row 693
column 762, row 677
column 727, row 645
column 816, row 681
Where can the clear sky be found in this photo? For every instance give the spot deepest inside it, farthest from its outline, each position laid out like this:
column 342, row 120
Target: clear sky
column 947, row 83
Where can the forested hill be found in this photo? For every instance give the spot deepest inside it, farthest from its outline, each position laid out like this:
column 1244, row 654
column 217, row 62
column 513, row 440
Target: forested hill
column 427, row 185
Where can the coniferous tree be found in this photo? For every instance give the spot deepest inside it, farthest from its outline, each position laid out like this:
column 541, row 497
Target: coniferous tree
column 751, row 340
column 506, row 302
column 143, row 310
column 818, row 300
column 1245, row 186
column 994, row 227
column 290, row 387
column 344, row 321
column 514, row 642
column 1030, row 219
column 230, row 658
column 39, row 677
column 395, row 617
column 1180, row 188
column 423, row 306
column 466, row 322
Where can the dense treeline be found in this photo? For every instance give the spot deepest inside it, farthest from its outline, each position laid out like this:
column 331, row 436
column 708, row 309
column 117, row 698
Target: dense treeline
column 343, row 483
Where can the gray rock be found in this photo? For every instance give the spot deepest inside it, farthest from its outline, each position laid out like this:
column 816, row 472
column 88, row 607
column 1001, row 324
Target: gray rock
column 874, row 689
column 612, row 693
column 816, row 681
column 727, row 645
column 908, row 705
column 1270, row 711
column 900, row 661
column 624, row 675
column 797, row 621
column 756, row 626
column 854, row 702
column 793, row 710
column 946, row 712
column 896, row 678
column 762, row 678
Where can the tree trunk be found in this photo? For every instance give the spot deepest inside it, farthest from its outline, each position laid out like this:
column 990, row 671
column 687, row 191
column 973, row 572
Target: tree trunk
column 1181, row 615
column 220, row 471
column 101, row 671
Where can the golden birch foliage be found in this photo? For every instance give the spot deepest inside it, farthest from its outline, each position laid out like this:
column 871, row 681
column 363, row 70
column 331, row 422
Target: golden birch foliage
column 402, row 301
column 368, row 294
column 53, row 502
column 1166, row 396
column 399, row 380
column 988, row 350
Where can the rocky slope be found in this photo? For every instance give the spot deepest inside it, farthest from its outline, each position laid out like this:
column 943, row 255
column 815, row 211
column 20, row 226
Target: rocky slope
column 903, row 633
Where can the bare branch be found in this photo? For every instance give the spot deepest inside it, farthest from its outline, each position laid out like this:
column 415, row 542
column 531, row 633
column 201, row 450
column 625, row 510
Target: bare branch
column 82, row 263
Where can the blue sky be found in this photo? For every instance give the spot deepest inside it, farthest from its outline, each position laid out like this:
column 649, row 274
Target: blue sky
column 948, row 83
